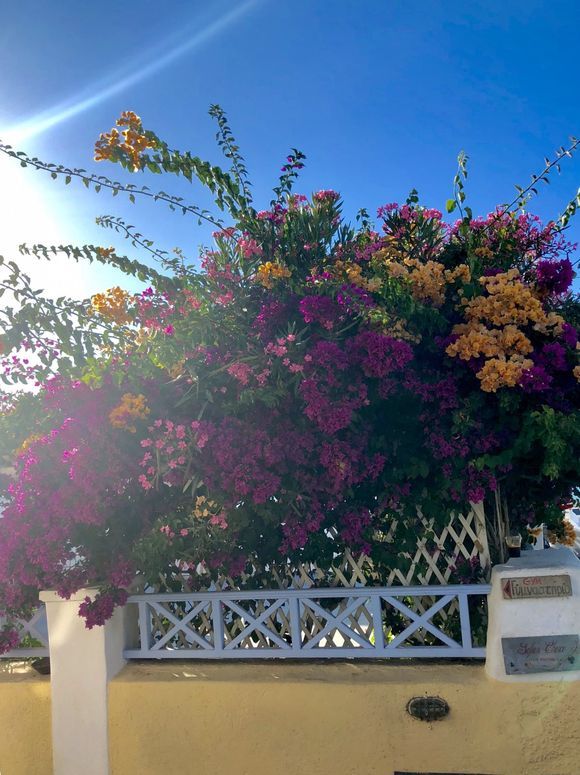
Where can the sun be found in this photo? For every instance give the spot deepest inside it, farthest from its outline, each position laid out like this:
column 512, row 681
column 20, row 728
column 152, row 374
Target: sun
column 29, row 214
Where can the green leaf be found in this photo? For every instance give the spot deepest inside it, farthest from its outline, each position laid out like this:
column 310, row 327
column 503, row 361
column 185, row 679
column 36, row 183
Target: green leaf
column 450, row 205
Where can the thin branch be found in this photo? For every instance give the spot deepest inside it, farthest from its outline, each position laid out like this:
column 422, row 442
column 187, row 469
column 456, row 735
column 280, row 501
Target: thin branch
column 99, row 181
column 226, row 140
column 525, row 193
column 137, row 239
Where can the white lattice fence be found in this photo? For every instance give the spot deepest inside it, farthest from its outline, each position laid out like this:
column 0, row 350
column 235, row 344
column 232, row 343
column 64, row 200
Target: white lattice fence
column 437, row 553
column 433, row 561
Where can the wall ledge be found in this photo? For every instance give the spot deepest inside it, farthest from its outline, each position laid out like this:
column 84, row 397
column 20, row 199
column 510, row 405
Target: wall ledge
column 417, row 672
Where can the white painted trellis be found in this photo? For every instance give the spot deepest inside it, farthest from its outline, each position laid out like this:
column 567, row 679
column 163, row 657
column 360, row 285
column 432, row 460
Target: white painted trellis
column 433, row 561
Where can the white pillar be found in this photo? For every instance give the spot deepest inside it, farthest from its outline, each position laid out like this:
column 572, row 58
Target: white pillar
column 534, row 618
column 82, row 662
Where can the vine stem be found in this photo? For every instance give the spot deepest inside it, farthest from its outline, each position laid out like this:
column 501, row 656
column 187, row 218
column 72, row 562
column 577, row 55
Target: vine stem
column 531, row 187
column 103, row 182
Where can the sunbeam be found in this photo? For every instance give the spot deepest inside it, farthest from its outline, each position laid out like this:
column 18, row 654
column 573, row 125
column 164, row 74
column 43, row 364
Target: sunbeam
column 158, row 58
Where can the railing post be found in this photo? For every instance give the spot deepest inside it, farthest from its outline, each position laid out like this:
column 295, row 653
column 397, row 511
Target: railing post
column 82, row 662
column 464, row 620
column 295, row 624
column 218, row 624
column 376, row 606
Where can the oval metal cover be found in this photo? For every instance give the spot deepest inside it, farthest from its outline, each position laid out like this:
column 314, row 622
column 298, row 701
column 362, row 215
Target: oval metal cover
column 427, row 708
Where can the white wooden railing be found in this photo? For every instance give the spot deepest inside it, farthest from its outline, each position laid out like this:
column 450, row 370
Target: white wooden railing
column 34, row 629
column 363, row 622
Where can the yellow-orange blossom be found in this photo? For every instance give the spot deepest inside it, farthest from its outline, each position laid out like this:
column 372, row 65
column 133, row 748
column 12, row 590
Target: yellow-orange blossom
column 132, row 407
column 111, row 305
column 131, row 141
column 492, row 329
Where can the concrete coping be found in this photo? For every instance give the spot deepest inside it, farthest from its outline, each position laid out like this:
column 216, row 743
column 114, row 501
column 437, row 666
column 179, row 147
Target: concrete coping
column 51, row 596
column 560, row 557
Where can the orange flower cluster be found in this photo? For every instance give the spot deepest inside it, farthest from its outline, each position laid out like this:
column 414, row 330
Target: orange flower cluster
column 132, row 407
column 475, row 340
column 269, row 272
column 396, row 270
column 353, row 274
column 483, row 252
column 397, row 330
column 567, row 538
column 105, row 252
column 428, row 280
column 27, row 442
column 111, row 305
column 492, row 329
column 130, row 142
column 508, row 300
column 502, row 372
column 204, row 507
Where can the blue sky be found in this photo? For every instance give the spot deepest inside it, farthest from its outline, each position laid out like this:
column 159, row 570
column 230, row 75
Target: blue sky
column 381, row 95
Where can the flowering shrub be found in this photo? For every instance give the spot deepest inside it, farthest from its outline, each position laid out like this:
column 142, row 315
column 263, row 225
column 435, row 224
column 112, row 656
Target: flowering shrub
column 309, row 389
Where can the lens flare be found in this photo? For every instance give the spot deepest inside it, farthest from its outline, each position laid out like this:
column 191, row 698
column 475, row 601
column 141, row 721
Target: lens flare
column 156, row 59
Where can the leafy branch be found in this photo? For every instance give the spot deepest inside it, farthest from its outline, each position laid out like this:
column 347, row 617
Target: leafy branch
column 136, row 238
column 225, row 190
column 525, row 194
column 459, row 188
column 79, row 335
column 290, row 171
column 569, row 212
column 93, row 253
column 99, row 182
column 231, row 150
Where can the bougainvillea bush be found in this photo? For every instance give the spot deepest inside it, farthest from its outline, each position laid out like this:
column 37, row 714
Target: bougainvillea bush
column 308, row 386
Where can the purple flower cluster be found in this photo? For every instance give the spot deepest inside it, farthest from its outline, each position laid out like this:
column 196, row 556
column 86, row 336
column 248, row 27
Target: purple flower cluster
column 554, row 277
column 353, row 525
column 99, row 610
column 443, row 392
column 478, row 483
column 535, row 380
column 553, row 356
column 9, row 639
column 378, row 354
column 569, row 336
column 320, row 309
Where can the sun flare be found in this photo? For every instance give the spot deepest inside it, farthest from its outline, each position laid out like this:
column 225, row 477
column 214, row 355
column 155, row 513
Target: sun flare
column 29, row 214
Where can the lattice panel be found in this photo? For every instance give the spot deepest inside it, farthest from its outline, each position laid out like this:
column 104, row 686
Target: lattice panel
column 463, row 538
column 184, row 625
column 432, row 562
column 256, row 624
column 335, row 623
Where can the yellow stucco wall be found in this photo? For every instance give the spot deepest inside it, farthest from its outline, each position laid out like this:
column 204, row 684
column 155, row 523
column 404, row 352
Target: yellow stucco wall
column 176, row 718
column 25, row 743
